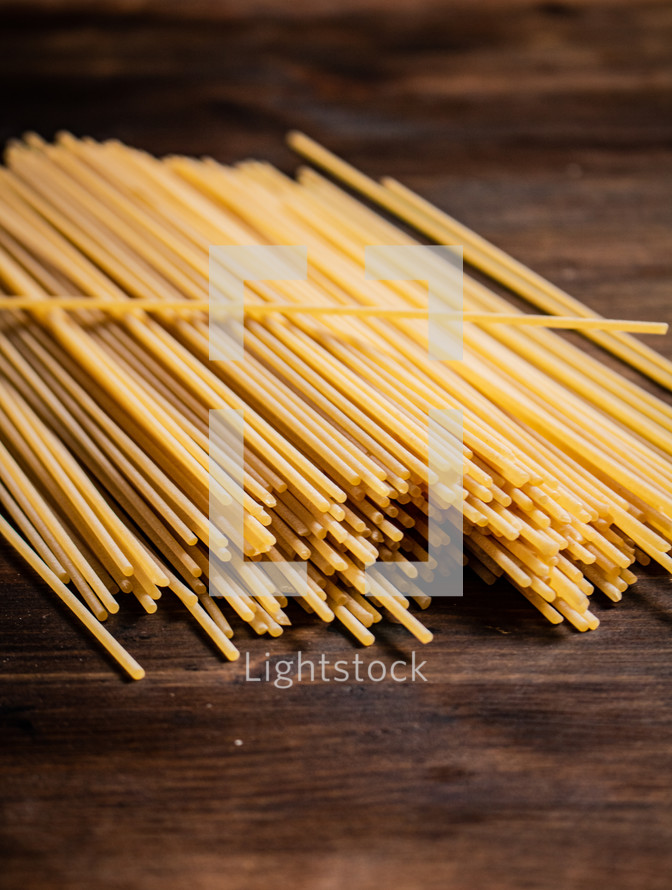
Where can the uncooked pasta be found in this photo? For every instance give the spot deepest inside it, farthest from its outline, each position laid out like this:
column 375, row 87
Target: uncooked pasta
column 108, row 467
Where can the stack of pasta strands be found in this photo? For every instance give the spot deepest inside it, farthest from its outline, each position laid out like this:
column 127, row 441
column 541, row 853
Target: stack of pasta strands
column 104, row 467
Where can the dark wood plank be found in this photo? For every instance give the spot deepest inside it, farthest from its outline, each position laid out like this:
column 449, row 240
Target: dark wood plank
column 533, row 756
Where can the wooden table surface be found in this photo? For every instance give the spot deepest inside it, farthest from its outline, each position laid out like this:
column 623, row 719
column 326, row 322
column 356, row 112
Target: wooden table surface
column 533, row 757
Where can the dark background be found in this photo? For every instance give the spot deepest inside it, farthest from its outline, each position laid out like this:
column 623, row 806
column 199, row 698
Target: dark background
column 535, row 757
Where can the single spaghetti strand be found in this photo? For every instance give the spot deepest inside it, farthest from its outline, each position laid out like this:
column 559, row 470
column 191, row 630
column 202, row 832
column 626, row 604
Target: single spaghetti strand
column 195, row 307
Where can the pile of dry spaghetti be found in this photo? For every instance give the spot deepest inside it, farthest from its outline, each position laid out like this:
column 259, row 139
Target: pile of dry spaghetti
column 104, row 463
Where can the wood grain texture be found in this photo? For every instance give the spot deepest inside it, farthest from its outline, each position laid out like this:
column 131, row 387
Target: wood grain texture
column 534, row 757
